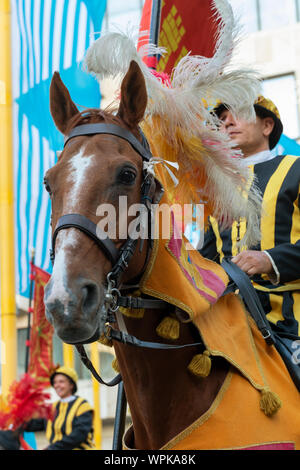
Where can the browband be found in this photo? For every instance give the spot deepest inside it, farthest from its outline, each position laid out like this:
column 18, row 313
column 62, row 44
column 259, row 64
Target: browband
column 113, row 129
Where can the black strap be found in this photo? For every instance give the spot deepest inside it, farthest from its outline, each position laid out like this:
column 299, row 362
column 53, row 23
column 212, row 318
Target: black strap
column 125, row 338
column 120, row 418
column 89, row 228
column 113, row 129
column 83, row 356
column 250, row 298
column 139, row 302
column 130, row 340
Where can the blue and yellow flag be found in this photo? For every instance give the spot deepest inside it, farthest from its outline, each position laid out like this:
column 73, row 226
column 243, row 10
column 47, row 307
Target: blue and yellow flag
column 47, row 36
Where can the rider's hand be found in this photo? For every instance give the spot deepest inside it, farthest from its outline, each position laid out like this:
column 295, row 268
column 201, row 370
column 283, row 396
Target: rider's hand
column 253, row 262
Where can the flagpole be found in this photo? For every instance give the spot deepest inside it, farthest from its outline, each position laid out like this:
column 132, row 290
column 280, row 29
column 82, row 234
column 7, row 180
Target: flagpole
column 96, row 394
column 7, row 255
column 154, row 29
column 30, row 309
column 155, row 22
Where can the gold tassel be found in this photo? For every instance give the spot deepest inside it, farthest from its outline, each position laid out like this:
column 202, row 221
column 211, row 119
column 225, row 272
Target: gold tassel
column 200, row 365
column 104, row 340
column 269, row 402
column 115, row 365
column 133, row 312
column 168, row 328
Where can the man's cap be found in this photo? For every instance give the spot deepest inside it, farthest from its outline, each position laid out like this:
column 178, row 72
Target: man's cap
column 264, row 108
column 68, row 372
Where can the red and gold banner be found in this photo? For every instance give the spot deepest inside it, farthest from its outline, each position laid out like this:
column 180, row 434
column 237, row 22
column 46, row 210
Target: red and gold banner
column 185, row 26
column 40, row 354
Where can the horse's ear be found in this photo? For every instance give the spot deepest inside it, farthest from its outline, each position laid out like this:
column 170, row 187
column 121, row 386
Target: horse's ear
column 133, row 96
column 61, row 105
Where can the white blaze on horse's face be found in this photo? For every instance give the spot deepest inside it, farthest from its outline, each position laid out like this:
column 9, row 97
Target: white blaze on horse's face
column 71, row 299
column 79, row 165
column 66, row 241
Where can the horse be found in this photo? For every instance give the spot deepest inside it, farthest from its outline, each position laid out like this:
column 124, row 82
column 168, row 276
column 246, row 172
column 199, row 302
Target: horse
column 171, row 408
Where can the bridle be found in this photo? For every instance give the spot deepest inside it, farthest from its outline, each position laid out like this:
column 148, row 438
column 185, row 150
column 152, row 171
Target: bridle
column 119, row 258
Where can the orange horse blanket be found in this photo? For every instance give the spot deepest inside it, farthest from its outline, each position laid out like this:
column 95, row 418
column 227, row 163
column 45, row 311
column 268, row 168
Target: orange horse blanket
column 186, row 280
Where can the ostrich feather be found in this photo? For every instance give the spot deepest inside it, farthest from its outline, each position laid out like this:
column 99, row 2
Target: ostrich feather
column 180, row 125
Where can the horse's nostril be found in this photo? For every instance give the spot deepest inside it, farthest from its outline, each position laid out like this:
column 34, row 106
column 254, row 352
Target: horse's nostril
column 90, row 297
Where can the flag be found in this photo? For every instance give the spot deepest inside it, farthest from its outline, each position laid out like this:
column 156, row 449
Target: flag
column 40, row 345
column 180, row 26
column 47, row 36
column 286, row 146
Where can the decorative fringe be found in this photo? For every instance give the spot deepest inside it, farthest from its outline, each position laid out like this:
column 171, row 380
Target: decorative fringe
column 133, row 312
column 105, row 341
column 200, row 365
column 115, row 365
column 168, row 328
column 269, row 402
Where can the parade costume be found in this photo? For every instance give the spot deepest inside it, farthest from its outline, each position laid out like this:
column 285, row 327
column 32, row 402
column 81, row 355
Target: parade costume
column 72, row 425
column 278, row 180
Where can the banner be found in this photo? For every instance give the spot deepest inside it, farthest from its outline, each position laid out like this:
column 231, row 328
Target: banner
column 48, row 36
column 185, row 26
column 40, row 346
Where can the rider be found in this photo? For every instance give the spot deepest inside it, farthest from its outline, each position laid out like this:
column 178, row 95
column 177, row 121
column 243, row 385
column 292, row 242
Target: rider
column 273, row 265
column 72, row 425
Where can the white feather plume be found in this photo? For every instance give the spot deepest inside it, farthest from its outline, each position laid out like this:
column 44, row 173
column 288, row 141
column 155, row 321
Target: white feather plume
column 195, row 81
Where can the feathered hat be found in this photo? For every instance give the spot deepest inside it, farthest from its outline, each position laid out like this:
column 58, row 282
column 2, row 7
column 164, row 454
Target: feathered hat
column 181, row 128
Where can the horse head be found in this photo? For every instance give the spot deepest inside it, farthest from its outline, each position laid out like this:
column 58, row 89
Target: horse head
column 92, row 172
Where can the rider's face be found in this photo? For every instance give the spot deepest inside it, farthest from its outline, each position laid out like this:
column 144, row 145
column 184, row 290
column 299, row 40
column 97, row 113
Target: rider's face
column 250, row 136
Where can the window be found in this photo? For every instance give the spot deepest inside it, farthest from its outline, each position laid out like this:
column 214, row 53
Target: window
column 246, row 13
column 121, row 15
column 282, row 91
column 276, row 13
column 257, row 15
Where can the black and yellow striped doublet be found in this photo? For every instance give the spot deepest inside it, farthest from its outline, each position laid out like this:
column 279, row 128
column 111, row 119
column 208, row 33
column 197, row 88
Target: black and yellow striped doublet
column 278, row 180
column 71, row 427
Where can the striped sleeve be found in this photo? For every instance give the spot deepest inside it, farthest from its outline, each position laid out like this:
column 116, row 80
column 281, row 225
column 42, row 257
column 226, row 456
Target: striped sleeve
column 286, row 213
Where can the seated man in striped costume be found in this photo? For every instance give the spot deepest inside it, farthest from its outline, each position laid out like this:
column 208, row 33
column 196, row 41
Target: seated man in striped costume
column 72, row 424
column 273, row 265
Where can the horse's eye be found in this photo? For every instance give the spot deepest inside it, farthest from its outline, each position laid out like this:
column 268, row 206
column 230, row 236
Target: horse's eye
column 127, row 177
column 47, row 187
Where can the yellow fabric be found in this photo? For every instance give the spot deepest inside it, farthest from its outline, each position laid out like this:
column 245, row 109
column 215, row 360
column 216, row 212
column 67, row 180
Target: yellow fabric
column 237, row 403
column 235, row 418
column 178, row 274
column 72, row 413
